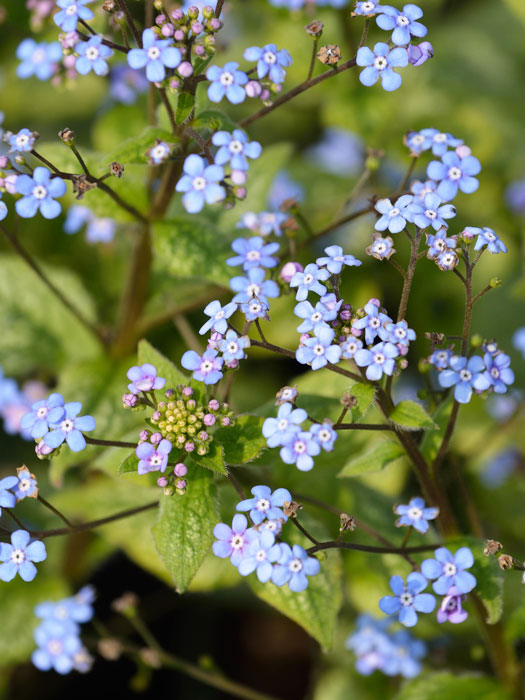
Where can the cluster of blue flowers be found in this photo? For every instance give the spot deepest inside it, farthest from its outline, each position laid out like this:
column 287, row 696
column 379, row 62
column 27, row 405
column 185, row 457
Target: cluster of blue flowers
column 257, row 549
column 98, row 229
column 15, row 488
column 57, row 637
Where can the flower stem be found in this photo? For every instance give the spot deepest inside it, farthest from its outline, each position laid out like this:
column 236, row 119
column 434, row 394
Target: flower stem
column 54, row 510
column 312, row 60
column 109, row 443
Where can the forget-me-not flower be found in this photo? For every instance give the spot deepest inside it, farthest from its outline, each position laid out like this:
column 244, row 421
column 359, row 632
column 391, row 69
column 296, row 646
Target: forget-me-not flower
column 281, row 430
column 431, row 212
column 205, row 369
column 200, row 184
column 218, row 315
column 22, row 142
column 380, row 63
column 235, row 149
column 26, row 486
column 265, row 504
column 92, row 55
column 394, row 216
column 271, row 62
column 227, row 81
column 155, row 55
column 233, row 542
column 300, row 450
column 144, row 378
column 498, row 372
column 42, row 415
column 415, row 515
column 372, row 322
column 71, row 11
column 57, row 643
column 378, row 360
column 381, row 248
column 454, row 173
column 253, row 252
column 40, row 60
column 153, row 458
column 335, row 259
column 449, row 570
column 260, row 554
column 319, row 351
column 399, row 333
column 315, row 317
column 439, row 243
column 309, row 280
column 293, row 568
column 70, row 428
column 253, row 285
column 403, row 22
column 39, row 192
column 487, row 237
column 464, row 375
column 18, row 557
column 233, row 346
column 408, row 600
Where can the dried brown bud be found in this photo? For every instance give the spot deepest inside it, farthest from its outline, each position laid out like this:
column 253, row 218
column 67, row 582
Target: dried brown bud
column 126, row 603
column 329, row 54
column 150, row 657
column 435, row 338
column 290, row 224
column 109, row 648
column 67, row 136
column 290, row 508
column 108, row 6
column 288, row 204
column 492, row 547
column 505, row 562
column 116, row 169
column 347, row 523
column 315, row 28
column 348, row 400
column 81, row 185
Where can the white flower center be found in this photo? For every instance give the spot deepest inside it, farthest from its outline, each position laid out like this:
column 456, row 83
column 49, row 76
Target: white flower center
column 156, row 460
column 406, row 599
column 318, row 349
column 449, row 569
column 439, row 244
column 492, row 347
column 287, row 394
column 442, row 357
column 263, row 504
column 339, row 258
column 379, row 358
column 455, row 173
column 393, row 212
column 153, row 53
column 380, row 63
column 39, row 192
column 380, row 247
column 430, row 214
column 39, row 55
column 271, row 525
column 42, row 412
column 22, row 140
column 415, row 513
column 308, row 279
column 374, row 322
column 489, row 236
column 300, row 446
column 255, row 307
column 418, row 139
column 237, row 542
column 494, row 372
column 403, row 21
column 159, row 152
column 206, row 366
column 24, row 484
column 400, row 333
column 295, row 566
column 261, row 555
column 269, row 57
column 316, row 316
column 451, row 604
column 71, row 10
column 253, row 255
column 92, row 53
column 252, row 290
column 226, row 78
column 67, row 425
column 232, row 348
column 282, row 424
column 61, row 612
column 448, row 260
column 219, row 315
column 324, row 435
column 55, row 647
column 199, row 183
column 351, row 347
column 440, row 138
column 465, row 375
column 235, row 146
column 18, row 556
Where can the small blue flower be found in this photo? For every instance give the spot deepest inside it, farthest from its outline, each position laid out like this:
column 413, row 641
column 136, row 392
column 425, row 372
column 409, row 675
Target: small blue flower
column 126, row 84
column 518, row 340
column 260, row 555
column 42, row 415
column 283, row 188
column 70, row 428
column 253, row 285
column 431, row 212
column 454, row 173
column 266, row 505
column 350, row 347
column 378, row 360
column 300, row 450
column 156, row 55
column 22, row 142
column 441, row 358
column 153, row 458
column 77, row 216
column 233, row 346
column 447, row 260
column 253, row 252
column 309, row 281
column 100, row 230
column 415, row 515
column 319, row 351
column 402, row 22
column 449, row 570
column 271, row 62
column 394, row 216
column 265, row 223
column 324, row 434
column 340, row 153
column 426, row 139
column 498, row 373
column 404, row 657
column 372, row 323
column 408, row 599
column 464, row 375
column 487, row 237
column 71, row 11
column 281, row 430
column 381, row 248
column 233, row 541
column 439, row 243
column 77, row 609
column 7, row 498
column 315, row 317
column 57, row 643
column 39, row 193
column 144, row 378
column 200, row 184
column 18, row 557
column 235, row 149
column 399, row 333
column 293, row 567
column 336, row 260
column 367, row 8
column 218, row 315
column 92, row 55
column 26, row 486
column 256, row 308
column 227, row 81
column 3, row 209
column 159, row 152
column 421, row 189
column 379, row 64
column 40, row 60
column 205, row 369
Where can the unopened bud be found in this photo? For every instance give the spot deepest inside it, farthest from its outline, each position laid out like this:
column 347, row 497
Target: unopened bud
column 315, row 28
column 67, row 136
column 476, row 341
column 126, row 603
column 150, row 657
column 492, row 547
column 347, row 523
column 495, row 282
column 116, row 169
column 505, row 562
column 348, row 400
column 419, row 53
column 109, row 648
column 288, row 271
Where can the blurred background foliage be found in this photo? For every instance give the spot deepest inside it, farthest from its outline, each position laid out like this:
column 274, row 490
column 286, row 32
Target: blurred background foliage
column 472, row 88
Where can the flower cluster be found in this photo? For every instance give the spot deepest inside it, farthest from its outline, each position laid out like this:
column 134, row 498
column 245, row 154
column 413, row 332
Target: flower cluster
column 258, row 549
column 57, row 637
column 98, row 229
column 16, row 401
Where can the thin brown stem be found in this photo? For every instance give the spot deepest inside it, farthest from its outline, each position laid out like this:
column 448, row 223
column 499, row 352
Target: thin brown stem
column 109, row 443
column 312, row 59
column 336, row 224
column 305, row 532
column 131, row 22
column 363, row 426
column 80, row 159
column 13, row 517
column 371, row 549
column 54, row 510
column 398, row 267
column 106, row 42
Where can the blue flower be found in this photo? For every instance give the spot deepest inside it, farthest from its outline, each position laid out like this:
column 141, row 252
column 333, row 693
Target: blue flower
column 77, row 609
column 309, row 280
column 271, row 62
column 253, row 252
column 218, row 315
column 487, row 237
column 77, row 216
column 450, row 570
column 439, row 243
column 26, row 486
column 235, row 149
column 293, row 567
column 378, row 360
column 253, row 285
column 126, row 84
column 447, row 260
column 314, row 317
column 402, row 22
column 372, row 323
column 260, row 555
column 379, row 64
column 265, row 223
column 227, row 81
column 319, row 351
column 39, row 60
column 454, row 173
column 426, row 139
column 156, row 55
column 415, row 514
column 100, row 230
column 144, row 378
column 394, row 216
column 420, row 53
column 200, row 184
column 350, row 347
column 70, row 428
column 205, row 369
column 58, row 643
column 283, row 429
column 464, row 375
column 39, row 194
column 71, row 11
column 430, row 212
column 498, row 373
column 18, row 557
column 233, row 541
column 324, row 434
column 381, row 248
column 404, row 657
column 7, row 498
column 3, row 209
column 266, row 505
column 159, row 152
column 256, row 308
column 408, row 599
column 367, row 8
column 440, row 358
column 232, row 346
column 300, row 450
column 283, row 188
column 518, row 340
column 42, row 415
column 153, row 458
column 421, row 189
column 399, row 333
column 336, row 260
column 92, row 55
column 22, row 142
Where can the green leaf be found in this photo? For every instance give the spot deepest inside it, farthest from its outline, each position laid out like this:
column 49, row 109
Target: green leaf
column 214, row 119
column 244, row 441
column 438, row 686
column 377, row 458
column 214, row 460
column 433, row 438
column 364, row 393
column 185, row 105
column 411, row 414
column 200, row 64
column 183, row 533
column 130, row 464
column 165, row 368
column 133, row 150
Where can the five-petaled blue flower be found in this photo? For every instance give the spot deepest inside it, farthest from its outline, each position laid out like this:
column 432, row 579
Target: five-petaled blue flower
column 367, row 8
column 378, row 360
column 426, row 139
column 260, row 554
column 58, row 644
column 235, row 149
column 431, row 212
column 22, row 142
column 70, row 428
column 271, row 62
column 350, row 347
column 253, row 252
column 18, row 557
column 399, row 333
column 7, row 498
column 403, row 22
column 487, row 237
column 293, row 567
column 408, row 599
column 76, row 609
column 324, row 434
column 439, row 242
column 315, row 317
column 394, row 216
column 253, row 285
column 454, row 173
column 300, row 450
column 26, row 486
column 227, row 81
column 498, row 373
column 380, row 64
column 156, row 55
column 381, row 248
column 71, row 11
column 232, row 346
column 335, row 260
column 200, row 184
column 440, row 358
column 39, row 194
column 92, row 55
column 39, row 60
column 319, row 351
column 42, row 415
column 205, row 369
column 309, row 280
column 449, row 570
column 233, row 541
column 218, row 315
column 415, row 514
column 153, row 458
column 421, row 189
column 265, row 505
column 464, row 375
column 372, row 323
column 281, row 430
column 144, row 378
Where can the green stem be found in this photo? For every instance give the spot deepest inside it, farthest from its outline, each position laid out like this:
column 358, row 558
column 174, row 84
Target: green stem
column 109, row 443
column 312, row 59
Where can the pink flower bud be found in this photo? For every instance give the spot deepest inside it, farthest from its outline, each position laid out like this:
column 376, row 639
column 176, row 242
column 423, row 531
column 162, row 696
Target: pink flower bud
column 156, row 438
column 168, row 30
column 303, row 338
column 209, row 420
column 253, row 88
column 189, row 447
column 4, row 162
column 239, row 177
column 214, row 24
column 162, row 482
column 232, row 364
column 346, row 312
column 199, row 50
column 144, row 435
column 289, row 270
column 265, row 95
column 187, row 391
column 180, row 469
column 156, row 416
column 42, row 450
column 203, row 435
column 214, row 340
column 197, row 28
column 374, row 301
column 177, row 15
column 10, row 184
column 179, row 35
column 185, row 69
column 463, row 151
column 129, row 400
column 356, row 332
column 225, row 421
column 160, row 20
column 213, row 405
column 180, row 484
column 240, row 192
